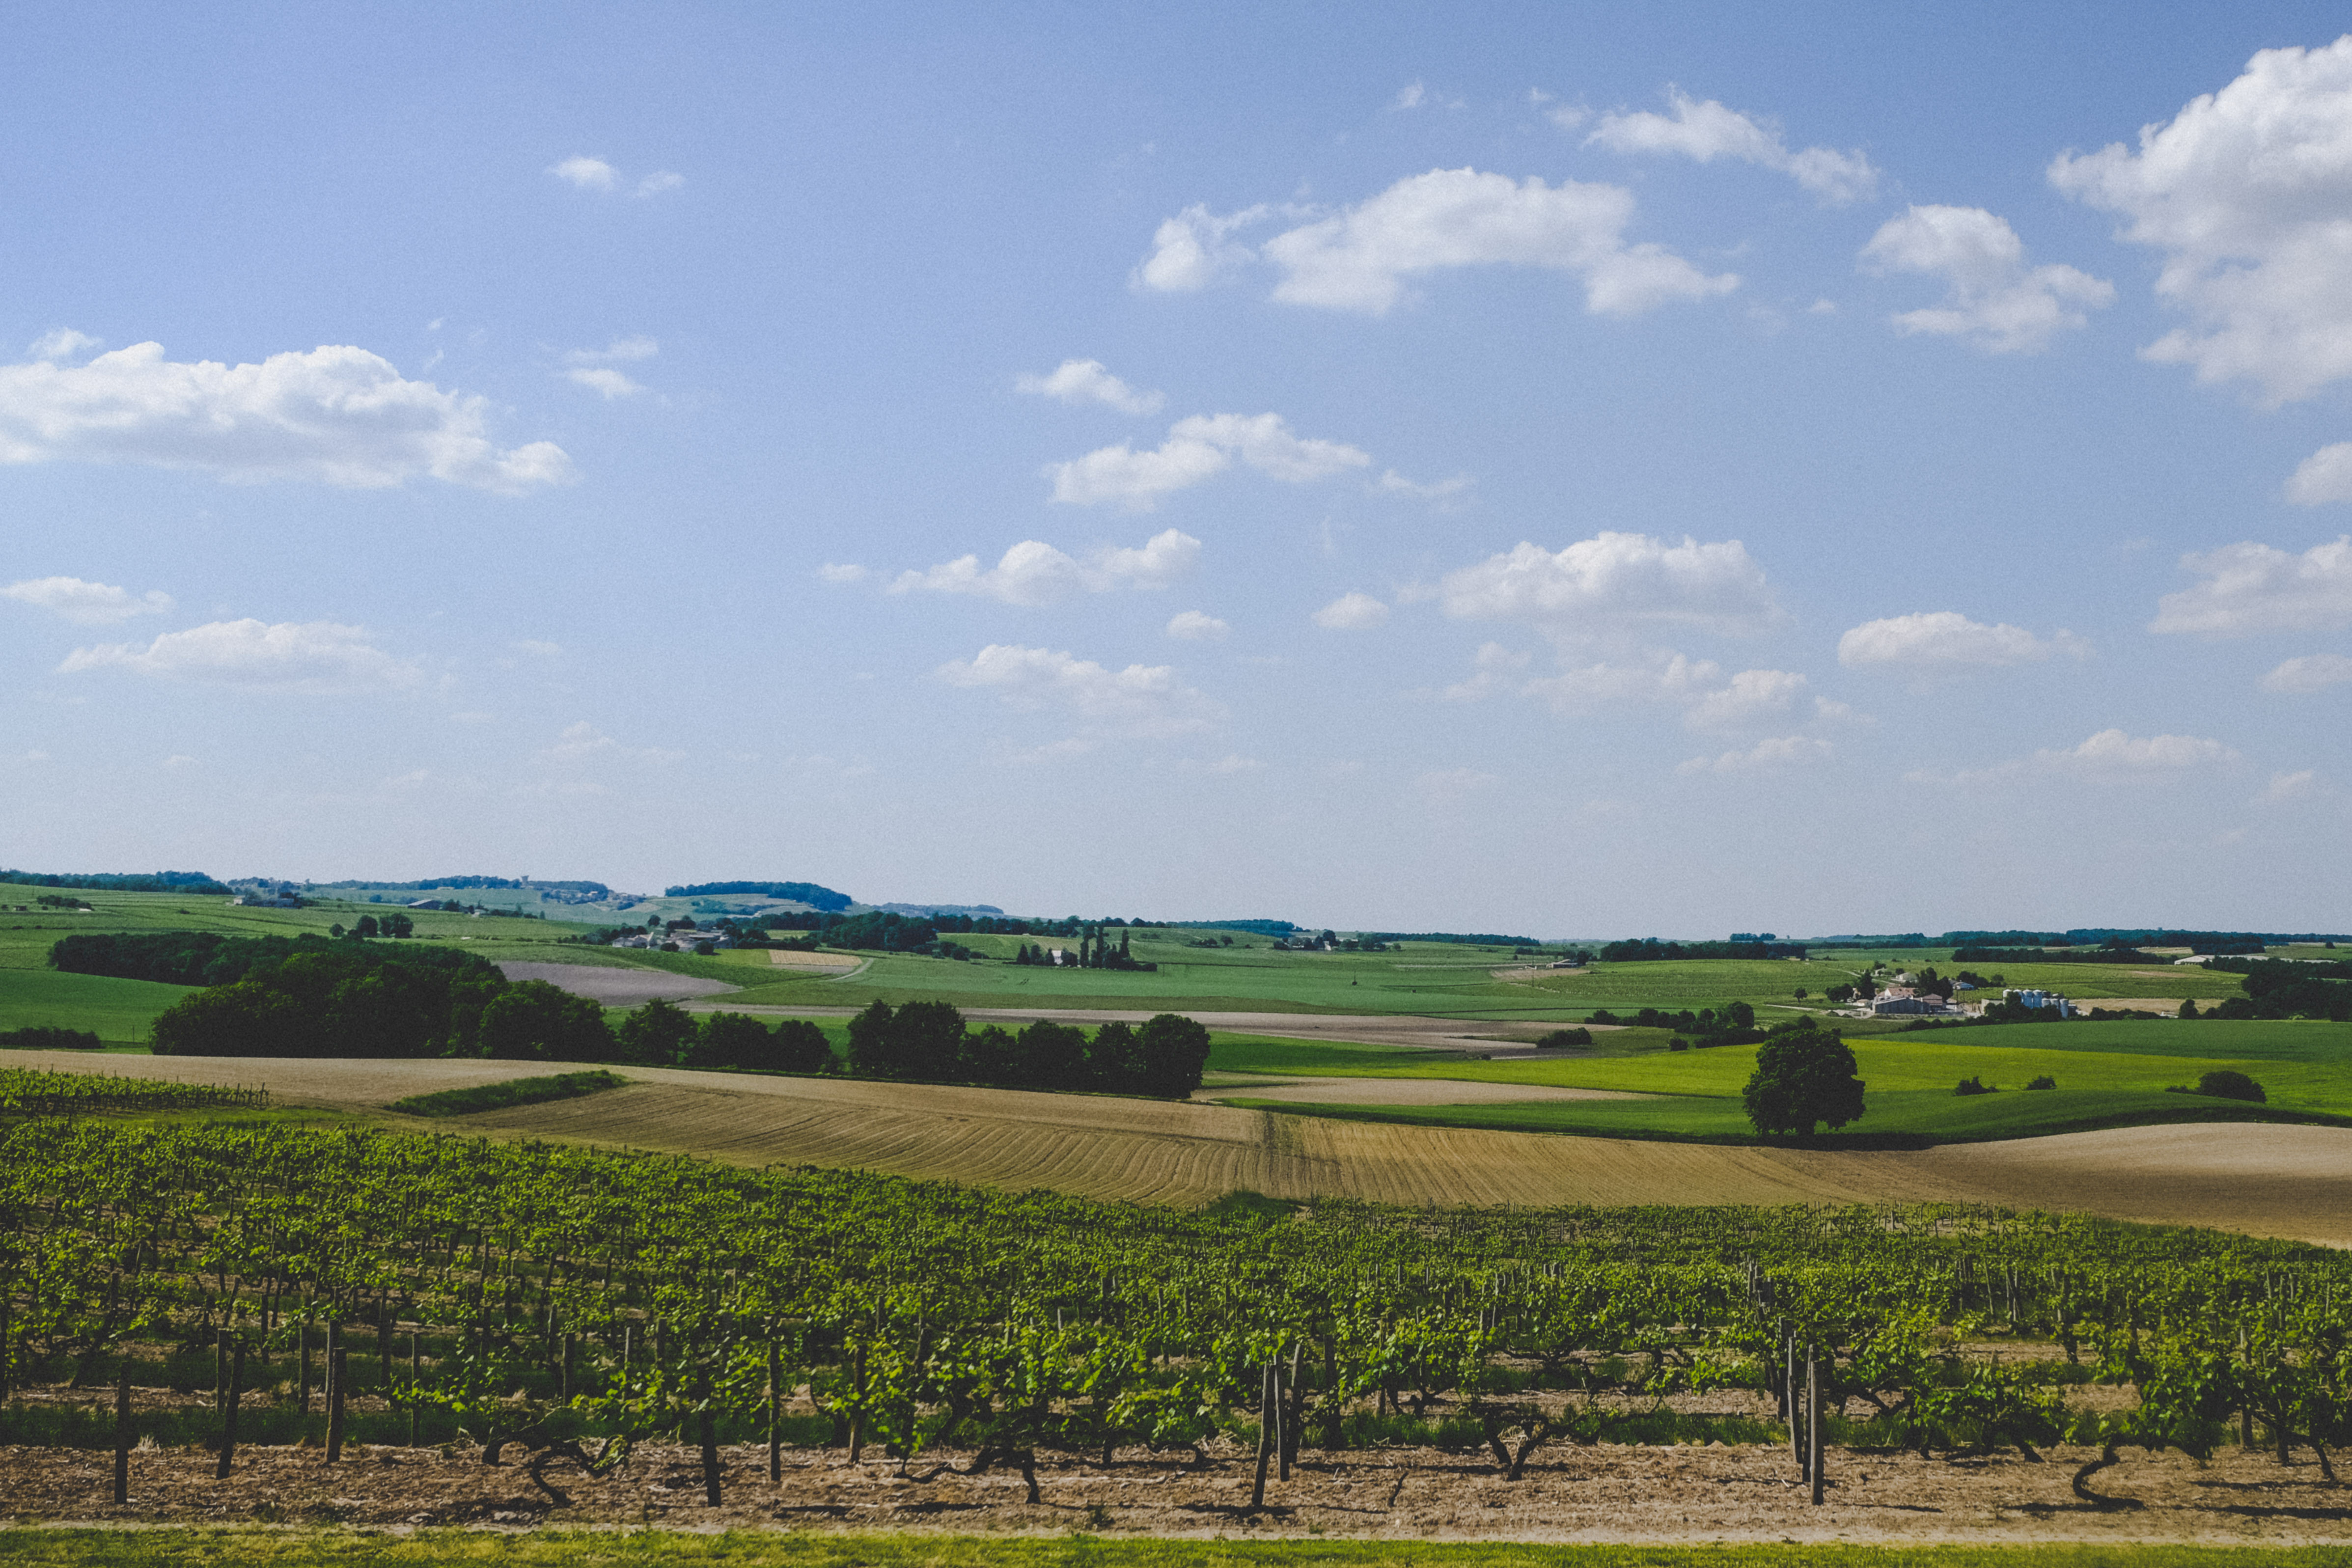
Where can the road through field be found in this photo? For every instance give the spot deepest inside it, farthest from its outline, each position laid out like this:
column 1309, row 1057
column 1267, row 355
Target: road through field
column 2286, row 1181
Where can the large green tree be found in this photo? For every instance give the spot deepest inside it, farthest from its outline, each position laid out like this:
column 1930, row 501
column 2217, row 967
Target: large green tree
column 659, row 1034
column 1174, row 1049
column 1804, row 1079
column 534, row 1022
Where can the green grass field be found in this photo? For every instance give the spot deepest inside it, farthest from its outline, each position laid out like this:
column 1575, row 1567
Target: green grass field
column 1438, row 979
column 2102, row 1079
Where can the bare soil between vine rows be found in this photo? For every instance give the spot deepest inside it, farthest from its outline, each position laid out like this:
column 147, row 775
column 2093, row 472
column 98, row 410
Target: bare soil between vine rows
column 1601, row 1493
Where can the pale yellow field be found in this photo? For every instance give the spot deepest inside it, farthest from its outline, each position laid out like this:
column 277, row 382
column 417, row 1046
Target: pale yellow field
column 784, row 958
column 2285, row 1181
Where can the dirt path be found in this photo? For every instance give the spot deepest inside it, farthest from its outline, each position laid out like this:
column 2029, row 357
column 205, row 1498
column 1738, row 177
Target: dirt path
column 1400, row 1092
column 1615, row 1493
column 617, row 988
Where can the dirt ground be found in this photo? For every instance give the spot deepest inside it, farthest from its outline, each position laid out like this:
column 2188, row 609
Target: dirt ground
column 1601, row 1493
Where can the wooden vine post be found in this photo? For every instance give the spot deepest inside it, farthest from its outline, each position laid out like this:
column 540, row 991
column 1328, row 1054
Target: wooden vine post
column 710, row 1434
column 775, row 1416
column 338, row 1366
column 228, row 1413
column 122, row 1432
column 1814, row 1380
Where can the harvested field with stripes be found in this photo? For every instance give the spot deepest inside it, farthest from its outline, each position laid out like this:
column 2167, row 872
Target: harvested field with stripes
column 2285, row 1181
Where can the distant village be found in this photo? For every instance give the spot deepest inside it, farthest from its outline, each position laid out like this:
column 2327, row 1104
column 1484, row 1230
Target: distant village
column 1929, row 996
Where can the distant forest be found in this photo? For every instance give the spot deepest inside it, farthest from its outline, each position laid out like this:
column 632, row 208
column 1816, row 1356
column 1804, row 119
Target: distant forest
column 121, row 881
column 495, row 882
column 807, row 893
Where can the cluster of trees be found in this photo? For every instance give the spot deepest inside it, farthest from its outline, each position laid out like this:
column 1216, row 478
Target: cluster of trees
column 2108, row 954
column 205, row 958
column 534, row 1022
column 394, row 926
column 930, row 1040
column 350, row 1000
column 48, row 1036
column 334, row 998
column 1649, row 949
column 122, row 881
column 2278, row 989
column 1461, row 938
column 1734, row 1023
column 809, row 892
column 1330, row 941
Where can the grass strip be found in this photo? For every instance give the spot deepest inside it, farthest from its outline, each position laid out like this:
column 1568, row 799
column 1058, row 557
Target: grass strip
column 1694, row 1120
column 433, row 1547
column 512, row 1091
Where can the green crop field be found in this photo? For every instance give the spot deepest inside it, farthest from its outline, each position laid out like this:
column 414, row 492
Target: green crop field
column 2105, row 1076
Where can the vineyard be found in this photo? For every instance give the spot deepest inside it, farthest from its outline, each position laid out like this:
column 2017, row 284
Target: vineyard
column 560, row 1308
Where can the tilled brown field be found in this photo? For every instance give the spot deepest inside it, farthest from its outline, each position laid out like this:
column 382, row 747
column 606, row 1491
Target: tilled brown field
column 1601, row 1493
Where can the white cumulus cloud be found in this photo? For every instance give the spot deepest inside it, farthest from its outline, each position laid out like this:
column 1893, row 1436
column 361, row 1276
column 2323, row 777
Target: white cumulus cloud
column 592, row 368
column 2112, row 753
column 60, row 343
column 310, row 656
column 1991, row 297
column 1034, row 573
column 585, row 173
column 1774, row 754
column 1197, row 626
column 1752, row 695
column 603, row 379
column 1615, row 583
column 1196, row 246
column 2249, row 588
column 1708, row 131
column 1139, row 701
column 1362, row 257
column 2244, row 193
column 1391, row 483
column 1087, row 380
column 85, row 603
column 1947, row 637
column 2309, row 674
column 1352, row 612
column 1197, row 448
column 1707, row 698
column 2326, row 475
column 336, row 414
column 841, row 574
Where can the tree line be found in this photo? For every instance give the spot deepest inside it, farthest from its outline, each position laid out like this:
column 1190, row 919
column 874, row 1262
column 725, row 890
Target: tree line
column 1650, row 950
column 2279, row 989
column 930, row 1040
column 122, row 881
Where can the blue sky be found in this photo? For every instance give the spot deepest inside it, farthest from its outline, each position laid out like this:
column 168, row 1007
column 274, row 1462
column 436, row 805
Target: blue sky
column 1527, row 467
